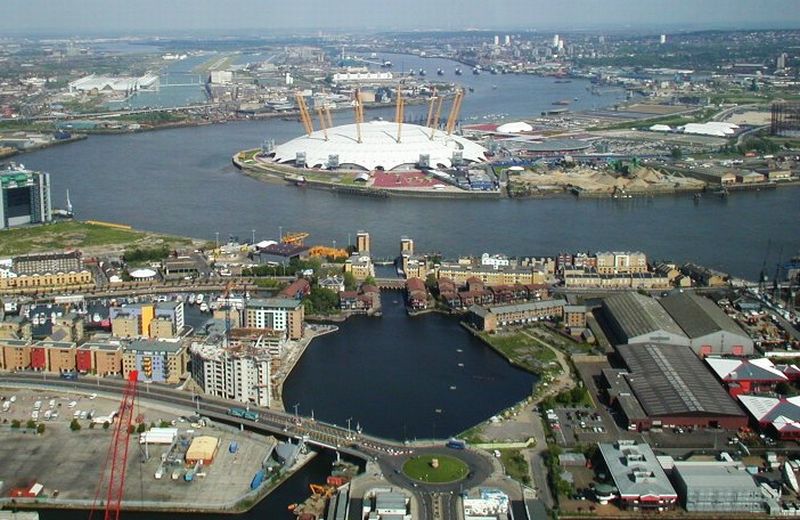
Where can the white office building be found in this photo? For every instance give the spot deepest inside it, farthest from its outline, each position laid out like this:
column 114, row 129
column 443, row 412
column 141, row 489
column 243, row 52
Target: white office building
column 234, row 372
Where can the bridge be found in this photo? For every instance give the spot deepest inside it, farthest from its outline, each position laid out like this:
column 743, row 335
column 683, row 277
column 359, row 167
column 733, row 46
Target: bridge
column 388, row 454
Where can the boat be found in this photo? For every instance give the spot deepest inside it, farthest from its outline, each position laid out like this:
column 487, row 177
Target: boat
column 422, row 72
column 562, row 102
column 199, row 298
column 459, row 71
column 439, row 72
column 387, row 64
column 494, row 87
column 493, row 71
column 35, row 320
column 191, row 299
column 204, row 307
column 476, row 70
column 471, row 89
column 96, row 318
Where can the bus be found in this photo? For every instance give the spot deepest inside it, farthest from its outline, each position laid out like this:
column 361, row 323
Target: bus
column 456, row 444
column 243, row 414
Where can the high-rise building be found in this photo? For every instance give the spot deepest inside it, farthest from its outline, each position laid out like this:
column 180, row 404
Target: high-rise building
column 780, row 63
column 234, row 372
column 362, row 242
column 24, row 197
column 663, row 39
column 277, row 314
column 508, row 40
column 556, row 39
column 496, row 40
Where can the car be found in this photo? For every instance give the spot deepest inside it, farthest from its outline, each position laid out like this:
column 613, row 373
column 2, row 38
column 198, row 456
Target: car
column 93, row 396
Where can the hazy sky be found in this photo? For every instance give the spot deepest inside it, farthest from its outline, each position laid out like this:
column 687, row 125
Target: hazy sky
column 77, row 16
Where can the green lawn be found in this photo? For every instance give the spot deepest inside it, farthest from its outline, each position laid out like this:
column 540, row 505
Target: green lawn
column 73, row 234
column 520, row 349
column 450, row 469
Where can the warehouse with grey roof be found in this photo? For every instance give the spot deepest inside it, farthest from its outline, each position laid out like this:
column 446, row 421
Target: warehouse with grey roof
column 674, row 388
column 635, row 318
column 709, row 329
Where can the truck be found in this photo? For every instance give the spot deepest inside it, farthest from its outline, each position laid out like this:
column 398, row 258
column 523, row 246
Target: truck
column 456, row 444
column 243, row 414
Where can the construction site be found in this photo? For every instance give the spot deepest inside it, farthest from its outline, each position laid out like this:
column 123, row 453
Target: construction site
column 378, row 157
column 85, row 458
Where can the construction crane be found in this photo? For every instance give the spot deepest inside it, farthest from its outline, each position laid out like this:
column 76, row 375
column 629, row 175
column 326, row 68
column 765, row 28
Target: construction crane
column 294, row 238
column 328, row 252
column 305, row 117
column 359, row 114
column 117, row 456
column 398, row 115
column 436, row 117
column 454, row 111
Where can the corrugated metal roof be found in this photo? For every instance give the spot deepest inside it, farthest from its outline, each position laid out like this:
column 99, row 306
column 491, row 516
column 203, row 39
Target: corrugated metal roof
column 670, row 380
column 698, row 316
column 637, row 314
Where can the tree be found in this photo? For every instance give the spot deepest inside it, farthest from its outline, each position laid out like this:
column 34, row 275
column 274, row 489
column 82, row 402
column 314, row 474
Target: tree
column 75, row 425
column 349, row 282
column 676, row 153
column 321, row 301
column 31, row 424
column 141, row 428
column 40, row 428
column 131, row 429
column 369, row 280
column 16, row 424
column 783, row 388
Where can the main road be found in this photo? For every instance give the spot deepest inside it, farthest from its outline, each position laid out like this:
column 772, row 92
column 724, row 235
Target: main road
column 436, row 501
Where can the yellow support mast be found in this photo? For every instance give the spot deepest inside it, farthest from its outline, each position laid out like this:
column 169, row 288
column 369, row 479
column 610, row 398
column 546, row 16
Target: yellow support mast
column 304, row 115
column 432, row 102
column 359, row 114
column 322, row 122
column 399, row 113
column 436, row 117
column 328, row 116
column 454, row 111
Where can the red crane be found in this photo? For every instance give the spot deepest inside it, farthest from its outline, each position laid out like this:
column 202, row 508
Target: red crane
column 117, row 456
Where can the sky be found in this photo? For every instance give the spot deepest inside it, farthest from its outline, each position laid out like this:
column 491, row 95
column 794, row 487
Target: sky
column 164, row 16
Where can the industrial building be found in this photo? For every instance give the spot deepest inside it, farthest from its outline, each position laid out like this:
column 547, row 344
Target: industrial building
column 641, row 483
column 486, row 504
column 674, row 388
column 374, row 145
column 779, row 415
column 635, row 318
column 747, row 376
column 24, row 197
column 278, row 314
column 94, row 83
column 203, row 449
column 155, row 361
column 709, row 329
column 718, row 487
column 234, row 372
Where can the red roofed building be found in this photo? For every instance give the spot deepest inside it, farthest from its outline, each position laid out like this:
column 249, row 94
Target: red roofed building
column 746, row 376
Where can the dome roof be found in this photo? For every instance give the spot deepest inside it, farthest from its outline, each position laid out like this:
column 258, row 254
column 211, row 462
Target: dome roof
column 515, row 128
column 143, row 273
column 378, row 148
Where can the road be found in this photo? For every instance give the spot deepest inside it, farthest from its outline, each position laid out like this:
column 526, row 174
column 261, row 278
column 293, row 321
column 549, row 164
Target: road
column 437, row 502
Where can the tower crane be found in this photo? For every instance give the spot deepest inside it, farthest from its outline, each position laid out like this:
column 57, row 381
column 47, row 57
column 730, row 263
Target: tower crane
column 117, row 456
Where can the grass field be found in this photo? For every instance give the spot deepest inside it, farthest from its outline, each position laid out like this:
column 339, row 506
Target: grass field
column 516, row 465
column 450, row 469
column 75, row 235
column 520, row 349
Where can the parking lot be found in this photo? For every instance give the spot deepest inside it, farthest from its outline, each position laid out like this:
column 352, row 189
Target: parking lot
column 69, row 463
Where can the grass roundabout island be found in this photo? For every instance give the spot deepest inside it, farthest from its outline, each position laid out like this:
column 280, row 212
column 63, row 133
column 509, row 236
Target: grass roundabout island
column 435, row 469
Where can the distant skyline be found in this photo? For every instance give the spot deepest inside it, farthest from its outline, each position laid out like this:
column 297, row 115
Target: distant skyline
column 166, row 16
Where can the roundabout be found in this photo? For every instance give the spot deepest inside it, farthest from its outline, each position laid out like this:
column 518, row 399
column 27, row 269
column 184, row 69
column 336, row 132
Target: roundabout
column 435, row 469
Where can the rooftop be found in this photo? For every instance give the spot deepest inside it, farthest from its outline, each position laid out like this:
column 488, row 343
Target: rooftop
column 698, row 316
column 143, row 345
column 637, row 314
column 635, row 470
column 671, row 380
column 715, row 475
column 274, row 303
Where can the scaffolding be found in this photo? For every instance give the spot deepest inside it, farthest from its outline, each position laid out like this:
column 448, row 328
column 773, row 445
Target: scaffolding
column 785, row 118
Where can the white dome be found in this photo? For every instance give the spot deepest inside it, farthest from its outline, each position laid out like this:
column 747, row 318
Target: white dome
column 378, row 147
column 142, row 273
column 515, row 128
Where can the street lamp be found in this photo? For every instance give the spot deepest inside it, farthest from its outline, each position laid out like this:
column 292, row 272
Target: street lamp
column 254, row 236
column 348, row 426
